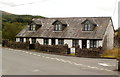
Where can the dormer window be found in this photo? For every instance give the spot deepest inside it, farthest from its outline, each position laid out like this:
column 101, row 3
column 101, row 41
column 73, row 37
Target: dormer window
column 59, row 25
column 88, row 25
column 33, row 26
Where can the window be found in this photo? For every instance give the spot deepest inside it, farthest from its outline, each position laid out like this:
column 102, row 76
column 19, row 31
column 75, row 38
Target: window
column 87, row 27
column 32, row 27
column 93, row 43
column 60, row 41
column 75, row 43
column 21, row 39
column 46, row 41
column 33, row 40
column 27, row 39
column 58, row 27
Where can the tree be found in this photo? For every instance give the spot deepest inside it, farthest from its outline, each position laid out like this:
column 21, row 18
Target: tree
column 10, row 30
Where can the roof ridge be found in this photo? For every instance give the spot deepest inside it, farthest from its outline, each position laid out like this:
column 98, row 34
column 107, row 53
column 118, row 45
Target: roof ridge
column 82, row 17
column 73, row 17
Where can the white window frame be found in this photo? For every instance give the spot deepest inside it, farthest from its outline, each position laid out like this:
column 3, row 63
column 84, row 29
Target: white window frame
column 32, row 27
column 58, row 27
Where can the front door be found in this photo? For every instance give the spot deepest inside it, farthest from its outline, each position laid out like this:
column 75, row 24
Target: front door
column 53, row 42
column 84, row 43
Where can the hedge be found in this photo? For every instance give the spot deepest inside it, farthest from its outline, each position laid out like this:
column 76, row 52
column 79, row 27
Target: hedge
column 15, row 45
column 62, row 49
column 91, row 52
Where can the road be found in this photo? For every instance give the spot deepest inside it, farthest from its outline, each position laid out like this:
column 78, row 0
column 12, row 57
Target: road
column 22, row 62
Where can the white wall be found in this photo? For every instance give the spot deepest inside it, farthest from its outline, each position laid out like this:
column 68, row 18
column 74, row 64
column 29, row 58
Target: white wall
column 50, row 42
column 30, row 40
column 69, row 42
column 88, row 43
column 17, row 39
column 24, row 39
column 110, row 36
column 100, row 43
column 39, row 40
column 80, row 43
column 72, row 50
column 56, row 41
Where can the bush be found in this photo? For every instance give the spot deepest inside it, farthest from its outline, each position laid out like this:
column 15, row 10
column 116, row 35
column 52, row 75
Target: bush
column 15, row 45
column 61, row 49
column 113, row 53
column 92, row 52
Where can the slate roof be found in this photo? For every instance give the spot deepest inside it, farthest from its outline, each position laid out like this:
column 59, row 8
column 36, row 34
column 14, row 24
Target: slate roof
column 73, row 29
column 60, row 20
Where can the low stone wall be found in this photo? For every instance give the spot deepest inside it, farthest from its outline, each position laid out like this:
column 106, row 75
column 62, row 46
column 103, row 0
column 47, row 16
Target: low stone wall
column 15, row 45
column 61, row 49
column 92, row 52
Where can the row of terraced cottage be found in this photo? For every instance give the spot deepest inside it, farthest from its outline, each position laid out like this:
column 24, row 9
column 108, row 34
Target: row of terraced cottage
column 85, row 32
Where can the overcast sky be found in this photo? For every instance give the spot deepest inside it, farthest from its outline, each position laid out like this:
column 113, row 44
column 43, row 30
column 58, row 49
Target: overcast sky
column 63, row 8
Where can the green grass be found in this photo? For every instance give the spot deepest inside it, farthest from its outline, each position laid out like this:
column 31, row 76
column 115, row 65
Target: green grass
column 113, row 53
column 108, row 56
column 72, row 54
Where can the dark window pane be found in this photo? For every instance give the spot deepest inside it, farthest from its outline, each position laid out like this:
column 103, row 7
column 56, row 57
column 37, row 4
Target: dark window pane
column 33, row 40
column 46, row 41
column 75, row 43
column 93, row 43
column 89, row 27
column 21, row 39
column 60, row 41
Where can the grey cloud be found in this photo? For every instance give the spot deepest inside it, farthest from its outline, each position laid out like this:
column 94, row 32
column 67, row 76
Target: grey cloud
column 14, row 5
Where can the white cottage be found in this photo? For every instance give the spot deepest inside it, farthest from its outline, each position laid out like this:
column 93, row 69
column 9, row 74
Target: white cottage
column 87, row 32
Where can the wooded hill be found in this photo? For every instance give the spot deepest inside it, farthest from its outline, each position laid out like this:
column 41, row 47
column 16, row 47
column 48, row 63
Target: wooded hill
column 13, row 24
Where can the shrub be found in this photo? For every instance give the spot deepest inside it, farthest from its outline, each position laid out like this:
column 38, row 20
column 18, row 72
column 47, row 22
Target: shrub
column 113, row 53
column 62, row 49
column 92, row 52
column 15, row 45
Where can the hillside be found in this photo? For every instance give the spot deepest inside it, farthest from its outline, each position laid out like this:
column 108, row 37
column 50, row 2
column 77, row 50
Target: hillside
column 4, row 13
column 13, row 24
column 8, row 17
